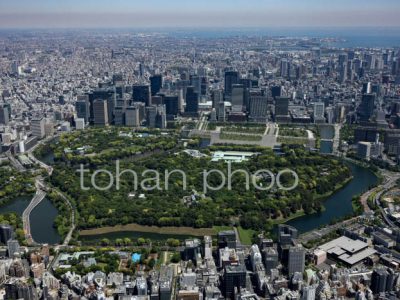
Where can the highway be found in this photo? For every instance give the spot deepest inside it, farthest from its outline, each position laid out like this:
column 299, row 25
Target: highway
column 17, row 165
column 39, row 196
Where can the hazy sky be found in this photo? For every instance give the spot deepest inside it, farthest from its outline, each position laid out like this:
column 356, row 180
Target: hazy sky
column 198, row 13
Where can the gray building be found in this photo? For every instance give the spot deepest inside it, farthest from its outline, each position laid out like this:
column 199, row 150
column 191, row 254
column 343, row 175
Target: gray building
column 37, row 127
column 296, row 260
column 100, row 112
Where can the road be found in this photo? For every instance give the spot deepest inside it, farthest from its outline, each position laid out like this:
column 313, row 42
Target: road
column 73, row 224
column 17, row 165
column 39, row 196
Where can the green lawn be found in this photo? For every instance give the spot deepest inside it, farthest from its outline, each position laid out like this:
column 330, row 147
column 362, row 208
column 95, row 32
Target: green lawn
column 245, row 235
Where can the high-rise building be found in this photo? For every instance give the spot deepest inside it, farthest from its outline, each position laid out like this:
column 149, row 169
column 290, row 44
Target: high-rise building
column 237, row 98
column 18, row 289
column 271, row 259
column 80, row 124
column 37, row 127
column 308, row 292
column 364, row 150
column 221, row 112
column 296, row 260
column 6, row 233
column 234, row 277
column 216, row 97
column 227, row 239
column 367, row 106
column 284, row 69
column 82, row 107
column 258, row 108
column 4, row 114
column 171, row 105
column 276, row 91
column 12, row 247
column 192, row 101
column 195, row 82
column 119, row 115
column 141, row 93
column 109, row 95
column 156, row 82
column 319, row 111
column 100, row 112
column 379, row 279
column 132, row 117
column 281, row 106
column 286, row 234
column 231, row 78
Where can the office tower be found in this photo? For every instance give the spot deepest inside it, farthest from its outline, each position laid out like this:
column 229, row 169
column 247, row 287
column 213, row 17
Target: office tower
column 119, row 115
column 132, row 117
column 192, row 250
column 6, row 233
column 117, row 78
column 109, row 95
column 255, row 257
column 276, row 91
column 319, row 111
column 271, row 259
column 100, row 112
column 80, row 124
column 343, row 73
column 151, row 113
column 161, row 117
column 284, row 68
column 156, row 82
column 379, row 280
column 308, row 292
column 18, row 289
column 258, row 108
column 141, row 286
column 195, row 82
column 82, row 108
column 37, row 127
column 231, row 78
column 296, row 260
column 207, row 242
column 234, row 278
column 12, row 247
column 281, row 106
column 217, row 97
column 4, row 114
column 141, row 93
column 364, row 150
column 171, row 105
column 156, row 117
column 367, row 106
column 8, row 106
column 342, row 59
column 221, row 112
column 286, row 234
column 192, row 101
column 371, row 61
column 227, row 239
column 366, row 88
column 237, row 98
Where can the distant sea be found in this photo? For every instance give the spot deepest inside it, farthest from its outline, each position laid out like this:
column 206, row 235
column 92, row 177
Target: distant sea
column 381, row 37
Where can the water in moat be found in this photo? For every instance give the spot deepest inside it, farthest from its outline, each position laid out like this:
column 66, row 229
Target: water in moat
column 338, row 205
column 41, row 218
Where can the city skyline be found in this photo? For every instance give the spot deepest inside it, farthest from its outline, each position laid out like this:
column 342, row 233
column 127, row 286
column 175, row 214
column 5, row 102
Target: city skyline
column 205, row 14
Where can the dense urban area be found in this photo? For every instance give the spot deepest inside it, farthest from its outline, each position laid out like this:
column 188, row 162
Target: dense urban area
column 116, row 100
